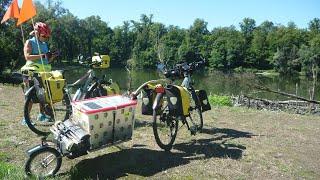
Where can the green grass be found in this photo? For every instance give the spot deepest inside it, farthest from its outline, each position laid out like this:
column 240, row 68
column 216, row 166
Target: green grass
column 217, row 100
column 4, row 157
column 9, row 171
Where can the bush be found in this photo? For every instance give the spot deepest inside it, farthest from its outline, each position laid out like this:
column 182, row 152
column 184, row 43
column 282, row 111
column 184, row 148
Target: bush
column 217, row 100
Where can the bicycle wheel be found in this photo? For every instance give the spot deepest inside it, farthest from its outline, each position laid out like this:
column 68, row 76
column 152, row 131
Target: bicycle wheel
column 43, row 163
column 165, row 126
column 41, row 126
column 195, row 113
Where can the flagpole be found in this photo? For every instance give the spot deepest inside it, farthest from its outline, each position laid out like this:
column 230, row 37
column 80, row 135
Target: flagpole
column 22, row 34
column 42, row 63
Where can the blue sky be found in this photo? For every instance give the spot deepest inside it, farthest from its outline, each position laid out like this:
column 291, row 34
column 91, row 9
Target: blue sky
column 183, row 12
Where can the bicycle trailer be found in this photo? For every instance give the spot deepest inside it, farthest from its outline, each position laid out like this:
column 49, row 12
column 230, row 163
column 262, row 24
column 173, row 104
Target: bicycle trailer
column 107, row 119
column 96, row 123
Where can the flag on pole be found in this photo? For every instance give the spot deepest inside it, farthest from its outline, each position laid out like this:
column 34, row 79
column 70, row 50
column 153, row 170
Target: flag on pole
column 27, row 11
column 12, row 11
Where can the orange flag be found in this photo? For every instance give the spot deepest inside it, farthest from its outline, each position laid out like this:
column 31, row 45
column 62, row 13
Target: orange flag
column 27, row 11
column 13, row 11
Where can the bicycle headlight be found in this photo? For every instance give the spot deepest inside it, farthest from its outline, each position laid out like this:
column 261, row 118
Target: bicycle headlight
column 173, row 100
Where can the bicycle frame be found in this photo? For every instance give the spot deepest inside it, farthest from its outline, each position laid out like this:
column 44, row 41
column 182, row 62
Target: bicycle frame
column 186, row 81
column 89, row 76
column 35, row 93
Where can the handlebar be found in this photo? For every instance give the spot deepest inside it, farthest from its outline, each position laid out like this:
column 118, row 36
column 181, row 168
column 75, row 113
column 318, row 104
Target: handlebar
column 88, row 63
column 183, row 67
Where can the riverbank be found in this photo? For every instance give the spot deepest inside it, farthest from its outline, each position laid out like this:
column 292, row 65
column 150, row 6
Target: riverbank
column 236, row 143
column 215, row 82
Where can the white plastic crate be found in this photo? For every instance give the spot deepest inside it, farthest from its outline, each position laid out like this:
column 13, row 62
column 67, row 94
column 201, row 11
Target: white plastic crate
column 107, row 119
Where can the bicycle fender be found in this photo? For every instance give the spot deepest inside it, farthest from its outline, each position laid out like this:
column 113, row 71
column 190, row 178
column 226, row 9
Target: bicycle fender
column 36, row 86
column 29, row 91
column 157, row 100
column 35, row 149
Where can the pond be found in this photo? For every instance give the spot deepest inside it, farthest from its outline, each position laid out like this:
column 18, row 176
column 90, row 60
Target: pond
column 214, row 82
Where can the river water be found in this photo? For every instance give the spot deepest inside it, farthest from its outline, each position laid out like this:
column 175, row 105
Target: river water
column 214, row 82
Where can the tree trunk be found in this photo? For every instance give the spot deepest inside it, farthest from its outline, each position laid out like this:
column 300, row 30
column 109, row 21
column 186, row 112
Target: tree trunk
column 286, row 94
column 314, row 83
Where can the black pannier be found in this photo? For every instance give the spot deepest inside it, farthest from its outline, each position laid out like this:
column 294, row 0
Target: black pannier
column 147, row 101
column 177, row 108
column 204, row 101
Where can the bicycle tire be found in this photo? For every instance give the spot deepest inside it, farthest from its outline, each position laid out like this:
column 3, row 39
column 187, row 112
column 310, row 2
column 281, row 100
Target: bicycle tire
column 43, row 128
column 28, row 166
column 197, row 110
column 172, row 123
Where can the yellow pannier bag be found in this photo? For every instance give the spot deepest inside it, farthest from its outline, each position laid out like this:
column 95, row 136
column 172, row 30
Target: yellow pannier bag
column 104, row 59
column 185, row 99
column 54, row 83
column 178, row 100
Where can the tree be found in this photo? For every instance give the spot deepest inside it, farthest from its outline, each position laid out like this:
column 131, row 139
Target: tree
column 310, row 55
column 97, row 35
column 247, row 27
column 170, row 43
column 10, row 42
column 227, row 51
column 284, row 61
column 64, row 36
column 260, row 47
column 121, row 44
column 157, row 31
column 143, row 52
column 193, row 44
column 284, row 48
column 286, row 41
column 314, row 25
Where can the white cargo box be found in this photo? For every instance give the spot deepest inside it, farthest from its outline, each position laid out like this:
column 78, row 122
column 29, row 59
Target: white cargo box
column 107, row 119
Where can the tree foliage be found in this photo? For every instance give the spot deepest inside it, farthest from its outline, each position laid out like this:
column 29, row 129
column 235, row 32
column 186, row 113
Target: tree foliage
column 287, row 49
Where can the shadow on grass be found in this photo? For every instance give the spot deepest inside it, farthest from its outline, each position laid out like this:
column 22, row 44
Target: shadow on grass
column 142, row 123
column 226, row 134
column 146, row 162
column 208, row 148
